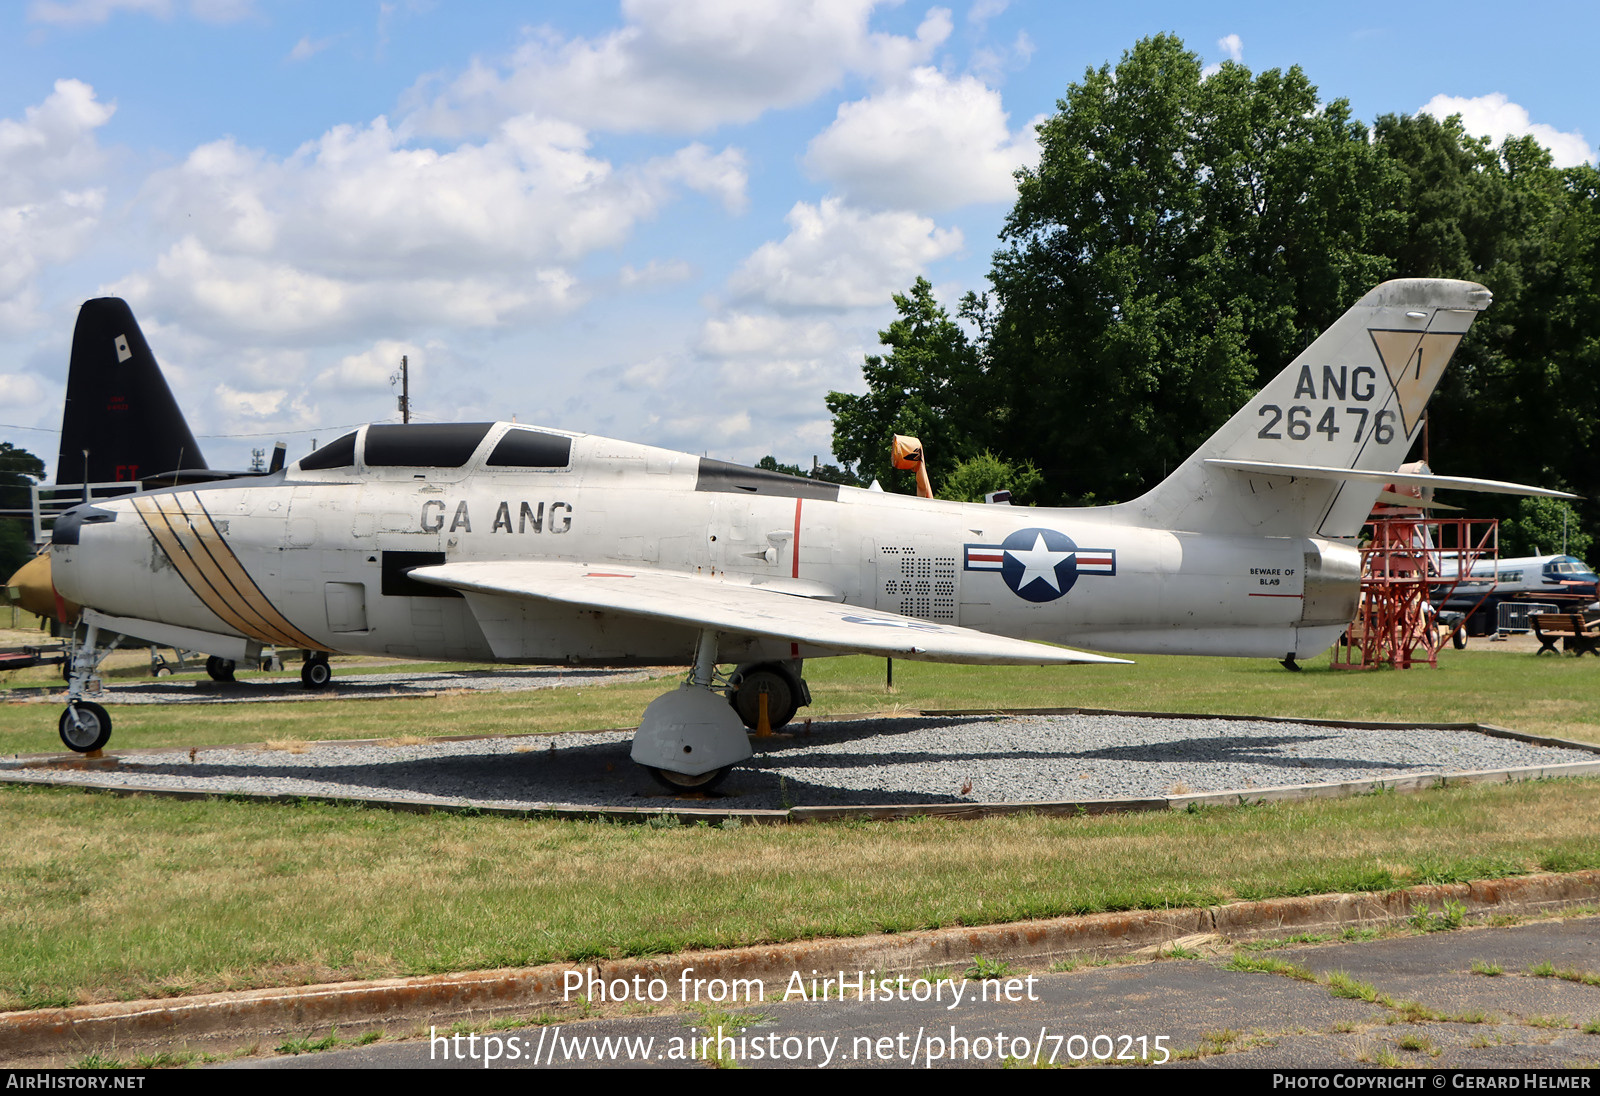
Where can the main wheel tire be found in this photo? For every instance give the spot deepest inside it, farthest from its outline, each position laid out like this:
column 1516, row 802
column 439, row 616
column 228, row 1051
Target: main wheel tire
column 782, row 702
column 316, row 673
column 220, row 669
column 1458, row 638
column 680, row 782
column 89, row 731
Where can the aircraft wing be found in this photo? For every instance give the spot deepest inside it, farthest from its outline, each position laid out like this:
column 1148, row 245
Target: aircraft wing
column 738, row 608
column 1414, row 479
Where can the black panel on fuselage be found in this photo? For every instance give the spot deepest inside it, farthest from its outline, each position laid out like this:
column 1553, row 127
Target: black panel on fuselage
column 719, row 475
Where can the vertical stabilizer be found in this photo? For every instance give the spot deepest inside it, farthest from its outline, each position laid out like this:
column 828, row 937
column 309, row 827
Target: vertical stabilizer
column 119, row 407
column 1353, row 399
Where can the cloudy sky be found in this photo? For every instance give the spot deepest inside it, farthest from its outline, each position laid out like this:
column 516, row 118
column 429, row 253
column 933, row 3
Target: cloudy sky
column 672, row 221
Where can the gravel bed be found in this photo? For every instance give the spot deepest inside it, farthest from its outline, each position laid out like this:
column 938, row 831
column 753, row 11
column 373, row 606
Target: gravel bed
column 914, row 760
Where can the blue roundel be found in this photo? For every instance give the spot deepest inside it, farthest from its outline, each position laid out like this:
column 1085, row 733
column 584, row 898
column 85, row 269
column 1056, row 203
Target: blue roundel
column 1039, row 564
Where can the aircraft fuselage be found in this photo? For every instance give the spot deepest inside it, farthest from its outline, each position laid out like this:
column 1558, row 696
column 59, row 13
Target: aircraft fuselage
column 318, row 558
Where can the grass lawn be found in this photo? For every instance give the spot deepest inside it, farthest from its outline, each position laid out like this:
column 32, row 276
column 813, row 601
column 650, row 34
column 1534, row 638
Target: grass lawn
column 105, row 898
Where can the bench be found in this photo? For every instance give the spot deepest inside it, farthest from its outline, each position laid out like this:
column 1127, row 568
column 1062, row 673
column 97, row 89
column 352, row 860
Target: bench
column 1571, row 628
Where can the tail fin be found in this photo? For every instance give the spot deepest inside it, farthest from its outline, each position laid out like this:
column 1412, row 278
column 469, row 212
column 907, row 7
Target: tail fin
column 119, row 408
column 1353, row 399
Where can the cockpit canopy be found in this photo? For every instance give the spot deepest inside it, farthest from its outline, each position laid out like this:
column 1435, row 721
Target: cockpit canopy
column 440, row 445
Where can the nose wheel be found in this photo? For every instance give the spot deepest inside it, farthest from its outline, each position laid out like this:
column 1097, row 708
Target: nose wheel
column 85, row 727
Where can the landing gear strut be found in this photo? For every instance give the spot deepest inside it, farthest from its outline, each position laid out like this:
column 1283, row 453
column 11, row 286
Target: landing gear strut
column 84, row 725
column 690, row 738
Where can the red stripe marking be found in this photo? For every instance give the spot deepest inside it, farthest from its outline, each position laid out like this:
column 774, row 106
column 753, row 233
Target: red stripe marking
column 796, row 541
column 987, row 557
column 604, row 574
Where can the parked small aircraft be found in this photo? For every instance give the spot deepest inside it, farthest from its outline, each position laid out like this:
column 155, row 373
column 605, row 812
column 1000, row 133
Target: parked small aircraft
column 496, row 541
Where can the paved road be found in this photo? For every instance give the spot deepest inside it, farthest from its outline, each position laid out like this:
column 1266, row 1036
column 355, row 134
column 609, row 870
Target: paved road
column 1428, row 1009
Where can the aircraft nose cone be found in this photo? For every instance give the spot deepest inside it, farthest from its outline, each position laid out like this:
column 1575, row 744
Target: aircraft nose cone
column 31, row 587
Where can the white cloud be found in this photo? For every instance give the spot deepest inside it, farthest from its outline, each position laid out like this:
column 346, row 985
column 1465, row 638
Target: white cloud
column 306, row 48
column 928, row 142
column 655, row 272
column 984, row 10
column 838, row 257
column 48, row 207
column 239, row 404
column 84, row 12
column 226, row 296
column 19, row 391
column 743, row 335
column 1496, row 117
column 372, row 368
column 76, row 13
column 682, row 67
column 361, row 226
column 1233, row 46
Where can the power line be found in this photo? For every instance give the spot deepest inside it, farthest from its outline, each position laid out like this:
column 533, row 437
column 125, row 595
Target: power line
column 261, row 434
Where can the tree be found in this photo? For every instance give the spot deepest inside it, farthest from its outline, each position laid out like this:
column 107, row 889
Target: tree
column 826, row 473
column 1544, row 527
column 929, row 386
column 986, row 473
column 19, row 471
column 1181, row 239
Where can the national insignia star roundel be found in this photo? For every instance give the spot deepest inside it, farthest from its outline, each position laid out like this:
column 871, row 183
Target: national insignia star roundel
column 1040, row 564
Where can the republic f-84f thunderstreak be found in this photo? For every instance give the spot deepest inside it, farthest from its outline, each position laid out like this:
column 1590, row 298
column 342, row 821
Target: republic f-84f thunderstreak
column 510, row 543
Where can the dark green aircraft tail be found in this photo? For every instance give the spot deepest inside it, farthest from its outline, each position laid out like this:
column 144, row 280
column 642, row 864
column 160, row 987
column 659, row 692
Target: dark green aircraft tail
column 121, row 421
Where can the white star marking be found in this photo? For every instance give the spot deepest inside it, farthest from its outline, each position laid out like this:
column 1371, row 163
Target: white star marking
column 1038, row 562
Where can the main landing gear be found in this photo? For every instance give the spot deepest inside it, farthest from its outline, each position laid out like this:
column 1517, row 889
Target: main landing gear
column 779, row 682
column 691, row 738
column 84, row 726
column 315, row 673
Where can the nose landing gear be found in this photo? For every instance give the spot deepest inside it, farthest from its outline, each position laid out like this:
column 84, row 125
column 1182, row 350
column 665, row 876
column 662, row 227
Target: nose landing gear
column 84, row 726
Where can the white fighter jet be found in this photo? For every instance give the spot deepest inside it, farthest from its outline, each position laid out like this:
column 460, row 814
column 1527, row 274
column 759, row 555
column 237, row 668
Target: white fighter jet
column 510, row 543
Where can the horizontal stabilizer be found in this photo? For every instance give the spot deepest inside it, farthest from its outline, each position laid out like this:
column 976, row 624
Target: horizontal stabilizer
column 1415, row 479
column 1395, row 498
column 736, row 608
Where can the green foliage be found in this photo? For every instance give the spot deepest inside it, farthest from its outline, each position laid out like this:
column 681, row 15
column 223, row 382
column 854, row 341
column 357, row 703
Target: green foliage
column 1181, row 239
column 19, row 470
column 1544, row 527
column 972, row 479
column 1452, row 916
column 928, row 386
column 1184, row 237
column 827, row 473
column 983, row 970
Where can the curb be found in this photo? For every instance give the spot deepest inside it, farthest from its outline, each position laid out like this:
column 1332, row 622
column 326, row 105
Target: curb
column 56, row 1036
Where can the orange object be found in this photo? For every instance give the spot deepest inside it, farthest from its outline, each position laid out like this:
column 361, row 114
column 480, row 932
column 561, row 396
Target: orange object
column 907, row 454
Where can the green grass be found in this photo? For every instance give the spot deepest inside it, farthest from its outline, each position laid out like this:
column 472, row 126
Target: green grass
column 180, row 897
column 1539, row 696
column 191, row 896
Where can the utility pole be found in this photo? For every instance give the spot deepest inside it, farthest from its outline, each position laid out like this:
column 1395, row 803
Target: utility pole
column 404, row 377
